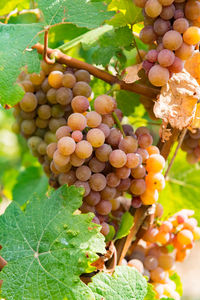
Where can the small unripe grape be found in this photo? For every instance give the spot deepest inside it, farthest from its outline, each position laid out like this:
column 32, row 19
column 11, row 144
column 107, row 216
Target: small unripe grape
column 77, row 136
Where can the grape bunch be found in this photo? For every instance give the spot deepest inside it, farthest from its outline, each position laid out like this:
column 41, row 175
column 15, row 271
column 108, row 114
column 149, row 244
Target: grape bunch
column 172, row 31
column 164, row 244
column 83, row 147
column 191, row 145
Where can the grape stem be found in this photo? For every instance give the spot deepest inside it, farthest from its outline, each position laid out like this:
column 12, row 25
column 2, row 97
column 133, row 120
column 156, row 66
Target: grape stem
column 119, row 125
column 181, row 138
column 137, row 88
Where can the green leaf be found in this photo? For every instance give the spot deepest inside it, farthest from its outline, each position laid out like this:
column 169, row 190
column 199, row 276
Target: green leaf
column 125, row 284
column 182, row 188
column 32, row 180
column 13, row 40
column 177, row 280
column 127, row 101
column 7, row 6
column 151, row 295
column 125, row 225
column 111, row 234
column 127, row 13
column 102, row 56
column 79, row 12
column 120, row 37
column 47, row 248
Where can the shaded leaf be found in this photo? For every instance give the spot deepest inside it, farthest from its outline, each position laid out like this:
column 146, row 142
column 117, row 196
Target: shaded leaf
column 151, row 295
column 125, row 284
column 125, row 225
column 47, row 248
column 177, row 280
column 127, row 101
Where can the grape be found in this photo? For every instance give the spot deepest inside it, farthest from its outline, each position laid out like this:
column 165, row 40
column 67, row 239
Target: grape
column 128, row 144
column 177, row 66
column 83, row 173
column 83, row 149
column 81, row 88
column 64, row 96
column 115, row 204
column 51, row 148
column 138, row 187
column 59, row 159
column 192, row 10
column 27, row 115
column 108, row 193
column 105, row 129
column 103, row 207
column 46, row 67
column 140, row 3
column 152, row 56
column 49, row 137
column 166, row 58
column 185, row 51
column 166, row 2
column 168, row 12
column 68, row 80
column 37, row 79
column 155, row 181
column 108, row 120
column 147, row 35
column 57, row 111
column 80, row 104
column 166, row 226
column 51, row 96
column 112, row 180
column 93, row 119
column 155, row 163
column 123, row 172
column 136, row 202
column 172, row 40
column 159, row 210
column 28, row 127
column 143, row 153
column 57, row 67
column 159, row 275
column 139, row 172
column 181, row 25
column 45, row 86
column 82, row 75
column 93, row 198
column 149, row 197
column 153, row 8
column 160, row 27
column 77, row 136
column 53, row 168
column 124, row 185
column 67, row 178
column 117, row 158
column 105, row 228
column 55, row 79
column 150, row 262
column 153, row 150
column 77, row 121
column 76, row 161
column 185, row 237
column 104, row 104
column 33, row 142
column 166, row 262
column 41, row 97
column 54, row 123
column 62, row 132
column 96, row 166
column 97, row 182
column 44, row 112
column 141, row 130
column 158, row 75
column 192, row 35
column 196, row 233
column 163, row 237
column 85, row 185
column 96, row 137
column 137, row 264
column 103, row 152
column 133, row 160
column 27, row 86
column 66, row 146
column 146, row 65
column 150, row 236
column 114, row 137
column 85, row 208
column 119, row 113
column 29, row 102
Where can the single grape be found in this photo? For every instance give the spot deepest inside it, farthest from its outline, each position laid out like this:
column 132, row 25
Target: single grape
column 96, row 137
column 76, row 161
column 124, row 185
column 45, row 86
column 159, row 275
column 93, row 119
column 114, row 137
column 108, row 120
column 117, row 158
column 172, row 40
column 192, row 10
column 136, row 202
column 158, row 75
column 108, row 193
column 103, row 207
column 166, row 262
column 80, row 104
column 93, row 198
column 83, row 149
column 37, row 79
column 59, row 159
column 67, row 178
column 68, row 80
column 55, row 79
column 44, row 112
column 96, row 166
column 77, row 136
column 150, row 262
column 153, row 150
column 155, row 181
column 85, row 208
column 83, row 173
column 112, row 180
column 28, row 127
column 85, row 185
column 155, row 163
column 149, row 197
column 139, row 172
column 133, row 160
column 82, row 75
column 160, row 27
column 97, row 182
column 128, row 144
column 64, row 96
column 123, row 172
column 55, row 123
column 51, row 96
column 104, row 104
column 137, row 264
column 192, row 35
column 168, row 12
column 103, row 152
column 62, row 132
column 82, row 88
column 105, row 129
column 33, row 142
column 105, row 228
column 153, row 8
column 51, row 148
column 177, row 65
column 29, row 102
column 185, row 237
column 66, row 146
column 147, row 35
column 77, row 121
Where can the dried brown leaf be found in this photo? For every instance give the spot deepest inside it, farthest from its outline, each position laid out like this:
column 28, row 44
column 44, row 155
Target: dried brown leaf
column 131, row 73
column 177, row 102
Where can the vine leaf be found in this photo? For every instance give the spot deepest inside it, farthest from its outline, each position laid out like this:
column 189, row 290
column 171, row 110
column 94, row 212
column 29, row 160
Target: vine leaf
column 177, row 102
column 177, row 280
column 151, row 295
column 79, row 12
column 125, row 284
column 125, row 225
column 48, row 247
column 13, row 40
column 131, row 74
column 182, row 187
column 7, row 6
column 32, row 180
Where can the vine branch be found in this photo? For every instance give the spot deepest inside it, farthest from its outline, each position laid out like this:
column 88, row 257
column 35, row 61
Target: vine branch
column 140, row 89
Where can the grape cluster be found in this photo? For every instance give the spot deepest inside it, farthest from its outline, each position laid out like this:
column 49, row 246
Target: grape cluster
column 83, row 147
column 191, row 145
column 172, row 31
column 164, row 244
